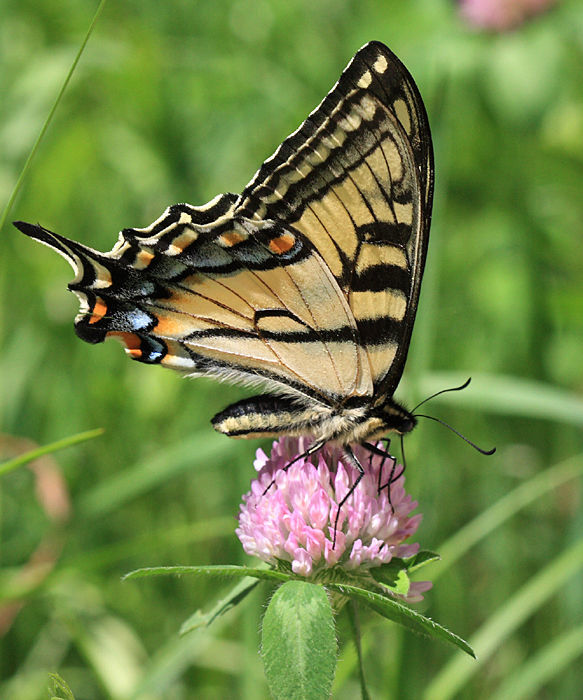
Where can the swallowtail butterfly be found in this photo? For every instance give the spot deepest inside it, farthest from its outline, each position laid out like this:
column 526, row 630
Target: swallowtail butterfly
column 305, row 284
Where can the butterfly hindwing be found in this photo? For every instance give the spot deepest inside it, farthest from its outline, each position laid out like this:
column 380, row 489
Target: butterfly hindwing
column 236, row 299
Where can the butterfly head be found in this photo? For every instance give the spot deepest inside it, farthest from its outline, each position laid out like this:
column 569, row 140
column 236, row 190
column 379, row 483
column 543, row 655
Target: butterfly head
column 396, row 418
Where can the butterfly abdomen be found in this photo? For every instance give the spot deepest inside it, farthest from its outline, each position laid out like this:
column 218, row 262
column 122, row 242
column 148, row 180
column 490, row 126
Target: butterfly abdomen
column 267, row 415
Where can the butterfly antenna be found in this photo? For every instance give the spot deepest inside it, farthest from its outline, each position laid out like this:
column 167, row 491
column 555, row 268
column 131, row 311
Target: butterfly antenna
column 453, row 430
column 443, row 391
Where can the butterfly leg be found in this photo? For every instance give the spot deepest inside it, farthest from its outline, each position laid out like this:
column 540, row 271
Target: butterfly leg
column 385, row 454
column 352, row 459
column 314, row 447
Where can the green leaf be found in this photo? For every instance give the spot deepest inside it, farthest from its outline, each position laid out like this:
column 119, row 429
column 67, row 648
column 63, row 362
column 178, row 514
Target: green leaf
column 299, row 642
column 417, row 561
column 405, row 616
column 393, row 576
column 231, row 570
column 59, row 689
column 235, row 596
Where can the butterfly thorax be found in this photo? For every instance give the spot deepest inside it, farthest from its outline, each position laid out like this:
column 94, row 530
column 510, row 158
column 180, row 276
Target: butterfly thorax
column 377, row 422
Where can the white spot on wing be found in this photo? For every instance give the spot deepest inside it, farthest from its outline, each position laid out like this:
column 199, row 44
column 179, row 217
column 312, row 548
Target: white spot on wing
column 365, row 80
column 368, row 107
column 380, row 65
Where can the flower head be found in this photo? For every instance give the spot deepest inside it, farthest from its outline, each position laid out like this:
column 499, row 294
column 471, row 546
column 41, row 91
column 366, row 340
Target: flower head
column 500, row 15
column 289, row 514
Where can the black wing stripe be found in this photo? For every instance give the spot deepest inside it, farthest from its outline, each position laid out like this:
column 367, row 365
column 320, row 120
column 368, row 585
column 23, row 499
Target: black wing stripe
column 329, row 172
column 374, row 279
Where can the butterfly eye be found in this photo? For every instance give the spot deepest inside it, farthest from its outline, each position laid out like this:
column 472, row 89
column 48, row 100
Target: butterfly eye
column 397, row 419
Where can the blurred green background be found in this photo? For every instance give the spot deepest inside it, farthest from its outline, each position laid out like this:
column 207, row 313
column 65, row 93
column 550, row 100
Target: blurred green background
column 178, row 101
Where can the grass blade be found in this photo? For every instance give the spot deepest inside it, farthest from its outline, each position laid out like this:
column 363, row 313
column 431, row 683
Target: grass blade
column 550, row 661
column 505, row 621
column 27, row 457
column 508, row 396
column 479, row 528
column 49, row 118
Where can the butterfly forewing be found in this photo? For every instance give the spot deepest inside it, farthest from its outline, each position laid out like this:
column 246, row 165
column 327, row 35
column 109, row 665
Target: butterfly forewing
column 356, row 179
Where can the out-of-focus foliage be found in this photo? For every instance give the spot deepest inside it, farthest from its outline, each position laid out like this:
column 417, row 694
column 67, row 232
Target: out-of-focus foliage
column 178, row 101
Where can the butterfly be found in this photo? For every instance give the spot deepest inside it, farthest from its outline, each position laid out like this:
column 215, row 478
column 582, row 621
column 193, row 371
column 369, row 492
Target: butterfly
column 306, row 284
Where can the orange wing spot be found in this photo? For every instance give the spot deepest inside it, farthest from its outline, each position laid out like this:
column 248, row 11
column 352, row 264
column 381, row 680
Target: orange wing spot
column 231, row 238
column 143, row 259
column 130, row 340
column 99, row 311
column 282, row 243
column 166, row 327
